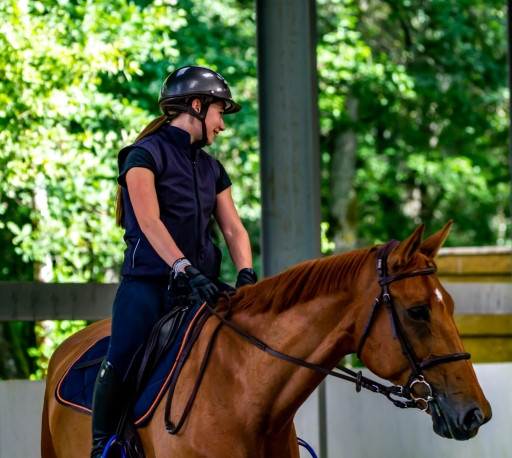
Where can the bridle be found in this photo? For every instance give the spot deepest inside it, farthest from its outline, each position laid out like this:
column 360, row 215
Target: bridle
column 416, row 377
column 400, row 396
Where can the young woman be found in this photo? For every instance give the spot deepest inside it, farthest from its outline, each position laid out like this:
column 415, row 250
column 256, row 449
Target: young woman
column 169, row 188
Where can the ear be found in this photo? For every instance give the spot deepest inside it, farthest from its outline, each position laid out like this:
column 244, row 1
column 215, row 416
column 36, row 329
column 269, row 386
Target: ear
column 196, row 105
column 431, row 246
column 402, row 254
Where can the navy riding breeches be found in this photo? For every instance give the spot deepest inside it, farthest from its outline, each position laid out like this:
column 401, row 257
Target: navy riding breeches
column 140, row 302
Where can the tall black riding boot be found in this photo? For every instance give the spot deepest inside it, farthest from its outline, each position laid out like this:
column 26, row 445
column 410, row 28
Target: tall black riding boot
column 107, row 407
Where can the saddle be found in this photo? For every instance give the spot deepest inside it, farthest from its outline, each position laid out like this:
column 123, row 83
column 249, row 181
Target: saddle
column 164, row 348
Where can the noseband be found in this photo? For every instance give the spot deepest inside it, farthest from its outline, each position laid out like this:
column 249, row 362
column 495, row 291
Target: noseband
column 416, row 378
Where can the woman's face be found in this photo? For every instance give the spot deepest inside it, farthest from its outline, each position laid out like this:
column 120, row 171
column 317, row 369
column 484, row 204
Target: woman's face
column 214, row 121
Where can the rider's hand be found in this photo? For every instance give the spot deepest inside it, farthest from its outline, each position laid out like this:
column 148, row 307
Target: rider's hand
column 202, row 288
column 246, row 277
column 179, row 293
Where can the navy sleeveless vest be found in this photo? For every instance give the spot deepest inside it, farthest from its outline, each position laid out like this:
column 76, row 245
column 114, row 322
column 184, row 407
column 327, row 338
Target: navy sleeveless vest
column 186, row 190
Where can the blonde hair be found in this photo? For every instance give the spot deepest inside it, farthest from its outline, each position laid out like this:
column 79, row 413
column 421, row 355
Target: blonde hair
column 151, row 128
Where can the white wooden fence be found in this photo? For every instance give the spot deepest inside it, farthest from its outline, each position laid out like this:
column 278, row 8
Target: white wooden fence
column 359, row 425
column 367, row 425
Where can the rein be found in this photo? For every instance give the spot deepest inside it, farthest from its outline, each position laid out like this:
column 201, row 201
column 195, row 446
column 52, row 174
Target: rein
column 400, row 396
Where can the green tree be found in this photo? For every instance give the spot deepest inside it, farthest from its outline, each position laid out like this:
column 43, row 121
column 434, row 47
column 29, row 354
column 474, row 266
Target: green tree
column 428, row 82
column 413, row 104
column 79, row 80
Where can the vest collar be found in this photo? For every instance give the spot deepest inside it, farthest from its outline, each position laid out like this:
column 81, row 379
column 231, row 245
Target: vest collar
column 181, row 139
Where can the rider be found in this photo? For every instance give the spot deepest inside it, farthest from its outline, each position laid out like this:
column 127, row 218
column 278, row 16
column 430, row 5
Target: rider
column 169, row 188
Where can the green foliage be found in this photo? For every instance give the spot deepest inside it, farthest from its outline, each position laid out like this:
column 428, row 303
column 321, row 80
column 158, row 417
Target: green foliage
column 431, row 85
column 50, row 334
column 15, row 337
column 80, row 78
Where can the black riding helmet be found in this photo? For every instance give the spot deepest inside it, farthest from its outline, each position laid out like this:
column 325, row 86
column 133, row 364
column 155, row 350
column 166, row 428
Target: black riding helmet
column 184, row 85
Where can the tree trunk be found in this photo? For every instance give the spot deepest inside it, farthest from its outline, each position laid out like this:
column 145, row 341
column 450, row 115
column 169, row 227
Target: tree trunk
column 342, row 197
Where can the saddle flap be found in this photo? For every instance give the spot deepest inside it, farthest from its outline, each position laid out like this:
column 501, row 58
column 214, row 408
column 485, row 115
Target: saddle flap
column 75, row 388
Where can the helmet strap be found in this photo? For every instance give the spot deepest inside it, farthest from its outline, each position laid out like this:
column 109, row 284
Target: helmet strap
column 186, row 107
column 205, row 105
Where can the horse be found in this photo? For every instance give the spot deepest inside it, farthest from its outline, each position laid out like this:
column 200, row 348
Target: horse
column 316, row 313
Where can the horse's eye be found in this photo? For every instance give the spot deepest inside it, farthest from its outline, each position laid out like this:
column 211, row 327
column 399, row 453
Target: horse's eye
column 419, row 313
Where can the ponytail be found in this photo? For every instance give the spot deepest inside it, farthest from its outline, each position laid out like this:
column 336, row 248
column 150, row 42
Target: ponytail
column 151, row 128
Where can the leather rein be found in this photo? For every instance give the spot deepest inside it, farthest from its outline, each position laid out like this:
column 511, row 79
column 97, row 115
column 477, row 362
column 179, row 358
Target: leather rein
column 400, row 396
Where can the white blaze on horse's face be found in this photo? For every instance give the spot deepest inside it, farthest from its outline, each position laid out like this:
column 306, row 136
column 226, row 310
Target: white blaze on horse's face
column 439, row 295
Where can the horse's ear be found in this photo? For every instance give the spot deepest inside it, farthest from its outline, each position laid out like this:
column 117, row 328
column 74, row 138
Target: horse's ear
column 402, row 254
column 429, row 247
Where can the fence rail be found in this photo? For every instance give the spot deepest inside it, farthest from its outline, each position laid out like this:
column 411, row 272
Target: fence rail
column 21, row 301
column 29, row 301
column 483, row 311
column 475, row 264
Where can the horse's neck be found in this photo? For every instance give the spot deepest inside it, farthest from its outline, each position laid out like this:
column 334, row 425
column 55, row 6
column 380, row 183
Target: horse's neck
column 318, row 331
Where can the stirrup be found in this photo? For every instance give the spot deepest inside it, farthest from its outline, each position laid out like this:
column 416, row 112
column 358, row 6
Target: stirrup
column 113, row 442
column 308, row 447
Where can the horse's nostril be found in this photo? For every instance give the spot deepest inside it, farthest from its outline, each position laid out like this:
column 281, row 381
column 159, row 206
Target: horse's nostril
column 473, row 419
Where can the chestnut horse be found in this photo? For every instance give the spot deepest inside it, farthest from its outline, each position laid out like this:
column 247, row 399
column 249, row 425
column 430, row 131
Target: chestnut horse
column 318, row 312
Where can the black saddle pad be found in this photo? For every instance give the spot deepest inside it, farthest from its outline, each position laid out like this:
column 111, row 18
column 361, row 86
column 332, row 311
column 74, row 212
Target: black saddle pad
column 76, row 386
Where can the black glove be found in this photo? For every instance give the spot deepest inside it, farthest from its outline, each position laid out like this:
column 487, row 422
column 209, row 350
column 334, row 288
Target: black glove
column 202, row 288
column 246, row 277
column 179, row 293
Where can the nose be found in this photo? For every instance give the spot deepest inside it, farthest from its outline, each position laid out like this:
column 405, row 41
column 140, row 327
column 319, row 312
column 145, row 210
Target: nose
column 473, row 419
column 222, row 126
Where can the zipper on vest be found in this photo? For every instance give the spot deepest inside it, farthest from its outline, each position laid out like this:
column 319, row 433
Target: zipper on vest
column 198, row 203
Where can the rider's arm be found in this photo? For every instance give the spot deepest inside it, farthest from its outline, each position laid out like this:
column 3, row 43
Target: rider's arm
column 233, row 230
column 141, row 187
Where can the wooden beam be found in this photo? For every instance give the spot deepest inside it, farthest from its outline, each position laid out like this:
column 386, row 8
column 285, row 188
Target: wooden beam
column 289, row 133
column 475, row 264
column 28, row 301
column 483, row 315
column 488, row 338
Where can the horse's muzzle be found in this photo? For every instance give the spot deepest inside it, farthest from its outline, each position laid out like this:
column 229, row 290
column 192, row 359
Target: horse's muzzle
column 458, row 423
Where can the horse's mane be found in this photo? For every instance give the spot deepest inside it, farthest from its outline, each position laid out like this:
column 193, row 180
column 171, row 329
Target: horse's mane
column 300, row 283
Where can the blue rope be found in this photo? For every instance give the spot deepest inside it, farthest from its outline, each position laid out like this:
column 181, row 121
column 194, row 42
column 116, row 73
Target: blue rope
column 308, row 447
column 113, row 441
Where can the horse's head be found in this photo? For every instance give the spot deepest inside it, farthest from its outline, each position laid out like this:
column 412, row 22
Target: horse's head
column 423, row 315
